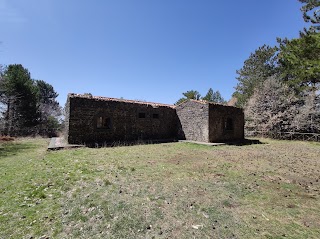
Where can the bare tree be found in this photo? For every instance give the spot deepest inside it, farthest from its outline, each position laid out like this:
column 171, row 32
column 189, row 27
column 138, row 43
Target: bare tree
column 2, row 102
column 271, row 108
column 308, row 118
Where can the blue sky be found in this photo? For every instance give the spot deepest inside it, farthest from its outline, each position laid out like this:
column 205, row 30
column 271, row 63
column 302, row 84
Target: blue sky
column 149, row 50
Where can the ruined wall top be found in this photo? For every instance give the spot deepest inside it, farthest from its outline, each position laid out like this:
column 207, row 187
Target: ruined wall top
column 204, row 102
column 153, row 104
column 100, row 98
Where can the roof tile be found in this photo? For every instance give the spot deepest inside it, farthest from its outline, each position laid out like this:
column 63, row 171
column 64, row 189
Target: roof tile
column 100, row 98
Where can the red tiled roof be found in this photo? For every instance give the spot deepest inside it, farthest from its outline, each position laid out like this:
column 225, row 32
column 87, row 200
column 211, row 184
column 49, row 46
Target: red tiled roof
column 100, row 98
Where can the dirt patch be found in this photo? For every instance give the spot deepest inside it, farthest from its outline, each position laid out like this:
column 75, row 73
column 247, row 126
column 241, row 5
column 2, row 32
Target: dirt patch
column 6, row 138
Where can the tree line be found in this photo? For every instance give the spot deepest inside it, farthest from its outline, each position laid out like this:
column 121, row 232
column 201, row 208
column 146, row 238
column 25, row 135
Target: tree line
column 27, row 106
column 278, row 86
column 211, row 96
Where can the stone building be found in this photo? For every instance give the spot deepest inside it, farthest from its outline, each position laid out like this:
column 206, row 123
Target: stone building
column 209, row 122
column 99, row 119
column 91, row 119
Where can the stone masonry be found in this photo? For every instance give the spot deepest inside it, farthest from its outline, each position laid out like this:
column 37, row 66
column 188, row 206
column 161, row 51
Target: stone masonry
column 91, row 119
column 209, row 122
column 120, row 120
column 226, row 123
column 194, row 121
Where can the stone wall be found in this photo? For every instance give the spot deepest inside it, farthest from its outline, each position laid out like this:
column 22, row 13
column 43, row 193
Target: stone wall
column 106, row 120
column 226, row 123
column 66, row 120
column 208, row 122
column 126, row 120
column 194, row 120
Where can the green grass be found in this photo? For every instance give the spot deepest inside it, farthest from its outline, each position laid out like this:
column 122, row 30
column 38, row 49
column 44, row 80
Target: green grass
column 174, row 190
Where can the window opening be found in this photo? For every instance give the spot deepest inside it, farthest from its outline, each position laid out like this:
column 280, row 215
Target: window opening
column 229, row 124
column 142, row 115
column 103, row 123
column 155, row 116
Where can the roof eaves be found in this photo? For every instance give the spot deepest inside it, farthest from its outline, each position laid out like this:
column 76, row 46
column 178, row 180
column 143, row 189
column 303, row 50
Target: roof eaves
column 100, row 98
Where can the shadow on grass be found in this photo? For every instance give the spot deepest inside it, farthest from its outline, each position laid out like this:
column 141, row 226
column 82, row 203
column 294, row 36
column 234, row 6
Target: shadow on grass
column 145, row 142
column 127, row 143
column 9, row 148
column 245, row 142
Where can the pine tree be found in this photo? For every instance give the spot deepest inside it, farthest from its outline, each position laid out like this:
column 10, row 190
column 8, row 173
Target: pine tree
column 314, row 18
column 191, row 94
column 214, row 97
column 209, row 95
column 28, row 106
column 49, row 108
column 256, row 69
column 21, row 115
column 299, row 61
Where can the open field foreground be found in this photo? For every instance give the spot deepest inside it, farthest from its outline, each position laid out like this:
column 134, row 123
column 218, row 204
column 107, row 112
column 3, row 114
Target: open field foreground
column 173, row 190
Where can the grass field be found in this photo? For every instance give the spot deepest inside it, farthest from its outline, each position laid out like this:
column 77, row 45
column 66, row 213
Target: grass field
column 173, row 190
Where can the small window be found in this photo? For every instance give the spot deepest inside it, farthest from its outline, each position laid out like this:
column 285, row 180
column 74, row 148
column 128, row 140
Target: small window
column 228, row 124
column 142, row 115
column 103, row 123
column 155, row 116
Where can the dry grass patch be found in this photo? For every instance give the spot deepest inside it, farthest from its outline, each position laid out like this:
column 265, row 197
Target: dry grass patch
column 174, row 190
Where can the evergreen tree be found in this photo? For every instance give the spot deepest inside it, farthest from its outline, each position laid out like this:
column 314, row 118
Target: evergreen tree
column 191, row 94
column 285, row 81
column 299, row 61
column 217, row 98
column 28, row 106
column 214, row 97
column 314, row 18
column 256, row 69
column 49, row 108
column 209, row 95
column 21, row 93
